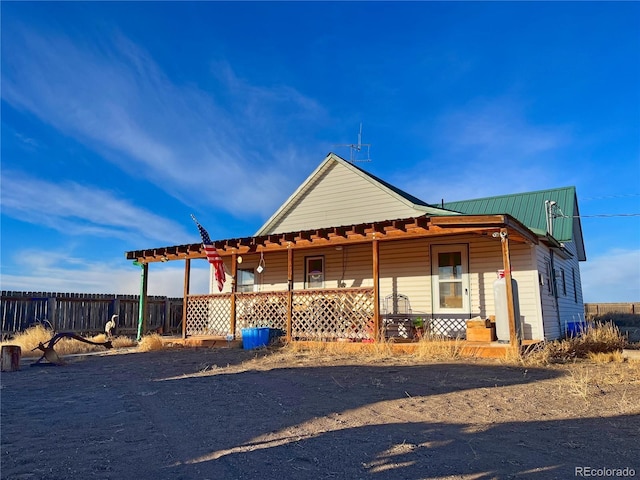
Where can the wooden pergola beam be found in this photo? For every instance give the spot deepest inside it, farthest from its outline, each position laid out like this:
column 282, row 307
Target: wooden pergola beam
column 412, row 227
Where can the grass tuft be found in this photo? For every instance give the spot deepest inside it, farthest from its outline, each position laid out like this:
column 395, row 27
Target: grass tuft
column 150, row 343
column 438, row 348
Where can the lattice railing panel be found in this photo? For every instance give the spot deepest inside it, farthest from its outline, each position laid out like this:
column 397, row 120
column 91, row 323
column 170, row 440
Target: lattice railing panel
column 209, row 314
column 448, row 327
column 265, row 309
column 332, row 314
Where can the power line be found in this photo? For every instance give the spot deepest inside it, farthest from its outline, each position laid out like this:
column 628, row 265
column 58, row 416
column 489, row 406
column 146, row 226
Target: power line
column 602, row 215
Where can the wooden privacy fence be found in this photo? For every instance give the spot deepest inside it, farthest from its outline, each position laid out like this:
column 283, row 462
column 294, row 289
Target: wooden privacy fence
column 595, row 309
column 86, row 313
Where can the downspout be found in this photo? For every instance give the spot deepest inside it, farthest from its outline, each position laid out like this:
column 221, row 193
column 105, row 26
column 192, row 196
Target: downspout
column 550, row 206
column 554, row 290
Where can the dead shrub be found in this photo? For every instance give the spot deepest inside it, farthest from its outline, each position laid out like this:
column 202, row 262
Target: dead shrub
column 30, row 338
column 150, row 343
column 33, row 336
column 597, row 339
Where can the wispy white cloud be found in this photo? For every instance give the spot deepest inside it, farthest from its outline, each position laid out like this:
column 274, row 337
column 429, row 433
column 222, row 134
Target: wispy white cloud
column 83, row 210
column 613, row 276
column 114, row 98
column 57, row 272
column 486, row 148
column 498, row 128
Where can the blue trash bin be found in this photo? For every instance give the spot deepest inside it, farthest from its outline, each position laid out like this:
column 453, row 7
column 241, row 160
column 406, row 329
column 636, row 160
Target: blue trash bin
column 575, row 329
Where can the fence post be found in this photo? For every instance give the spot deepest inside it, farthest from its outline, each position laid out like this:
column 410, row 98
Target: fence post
column 167, row 315
column 51, row 308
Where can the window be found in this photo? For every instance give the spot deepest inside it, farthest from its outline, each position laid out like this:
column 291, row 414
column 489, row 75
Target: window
column 550, row 279
column 246, row 280
column 564, row 282
column 314, row 272
column 450, row 278
column 575, row 287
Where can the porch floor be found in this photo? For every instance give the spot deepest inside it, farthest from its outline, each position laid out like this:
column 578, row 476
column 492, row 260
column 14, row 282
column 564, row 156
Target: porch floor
column 209, row 341
column 463, row 348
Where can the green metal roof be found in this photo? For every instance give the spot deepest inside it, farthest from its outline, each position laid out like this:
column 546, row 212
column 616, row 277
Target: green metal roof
column 529, row 208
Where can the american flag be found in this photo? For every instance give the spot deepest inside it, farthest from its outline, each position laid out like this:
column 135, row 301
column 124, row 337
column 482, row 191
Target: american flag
column 213, row 256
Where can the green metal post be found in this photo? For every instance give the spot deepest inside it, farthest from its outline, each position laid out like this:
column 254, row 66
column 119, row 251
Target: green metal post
column 143, row 297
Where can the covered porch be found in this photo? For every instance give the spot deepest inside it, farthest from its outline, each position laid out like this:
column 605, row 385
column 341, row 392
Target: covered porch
column 354, row 314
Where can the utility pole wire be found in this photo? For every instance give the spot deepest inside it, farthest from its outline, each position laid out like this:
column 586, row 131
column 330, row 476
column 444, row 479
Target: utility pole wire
column 602, row 215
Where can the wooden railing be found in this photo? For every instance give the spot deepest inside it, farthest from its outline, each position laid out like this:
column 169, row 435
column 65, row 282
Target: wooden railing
column 315, row 314
column 333, row 314
column 209, row 314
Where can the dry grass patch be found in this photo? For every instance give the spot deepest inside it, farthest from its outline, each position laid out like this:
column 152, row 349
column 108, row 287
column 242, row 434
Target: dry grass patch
column 32, row 337
column 601, row 342
column 329, row 351
column 367, row 353
column 438, row 348
column 592, row 380
column 606, row 357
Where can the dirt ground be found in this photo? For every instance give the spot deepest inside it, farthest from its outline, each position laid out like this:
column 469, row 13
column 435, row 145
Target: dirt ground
column 228, row 413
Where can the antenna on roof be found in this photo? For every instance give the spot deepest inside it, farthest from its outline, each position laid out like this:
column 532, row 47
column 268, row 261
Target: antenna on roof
column 357, row 148
column 550, row 208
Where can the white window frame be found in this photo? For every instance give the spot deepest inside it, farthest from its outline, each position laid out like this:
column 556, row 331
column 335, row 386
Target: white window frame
column 246, row 287
column 463, row 250
column 308, row 273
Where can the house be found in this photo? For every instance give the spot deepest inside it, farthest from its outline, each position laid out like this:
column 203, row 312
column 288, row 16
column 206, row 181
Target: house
column 350, row 257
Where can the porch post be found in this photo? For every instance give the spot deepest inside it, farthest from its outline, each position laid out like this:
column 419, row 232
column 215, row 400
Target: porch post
column 289, row 292
column 234, row 272
column 376, row 289
column 185, row 295
column 142, row 320
column 514, row 339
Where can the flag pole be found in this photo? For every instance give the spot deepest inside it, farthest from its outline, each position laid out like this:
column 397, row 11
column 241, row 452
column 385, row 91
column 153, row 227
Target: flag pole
column 213, row 257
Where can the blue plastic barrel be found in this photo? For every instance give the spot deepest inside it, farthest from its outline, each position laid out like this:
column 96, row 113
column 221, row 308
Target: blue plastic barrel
column 255, row 337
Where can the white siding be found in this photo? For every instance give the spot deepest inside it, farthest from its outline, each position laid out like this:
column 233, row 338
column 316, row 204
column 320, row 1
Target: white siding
column 569, row 292
column 405, row 269
column 548, row 303
column 350, row 267
column 341, row 197
column 568, row 306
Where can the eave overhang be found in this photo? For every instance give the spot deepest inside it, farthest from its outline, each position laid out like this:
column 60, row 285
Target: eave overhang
column 388, row 230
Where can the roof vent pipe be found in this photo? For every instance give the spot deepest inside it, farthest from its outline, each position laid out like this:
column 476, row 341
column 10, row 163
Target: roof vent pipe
column 549, row 207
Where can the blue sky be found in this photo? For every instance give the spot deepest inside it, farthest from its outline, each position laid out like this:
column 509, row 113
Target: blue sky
column 120, row 119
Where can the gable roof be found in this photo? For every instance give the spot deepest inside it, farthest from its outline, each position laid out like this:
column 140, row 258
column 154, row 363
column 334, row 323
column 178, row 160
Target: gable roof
column 529, row 208
column 339, row 193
